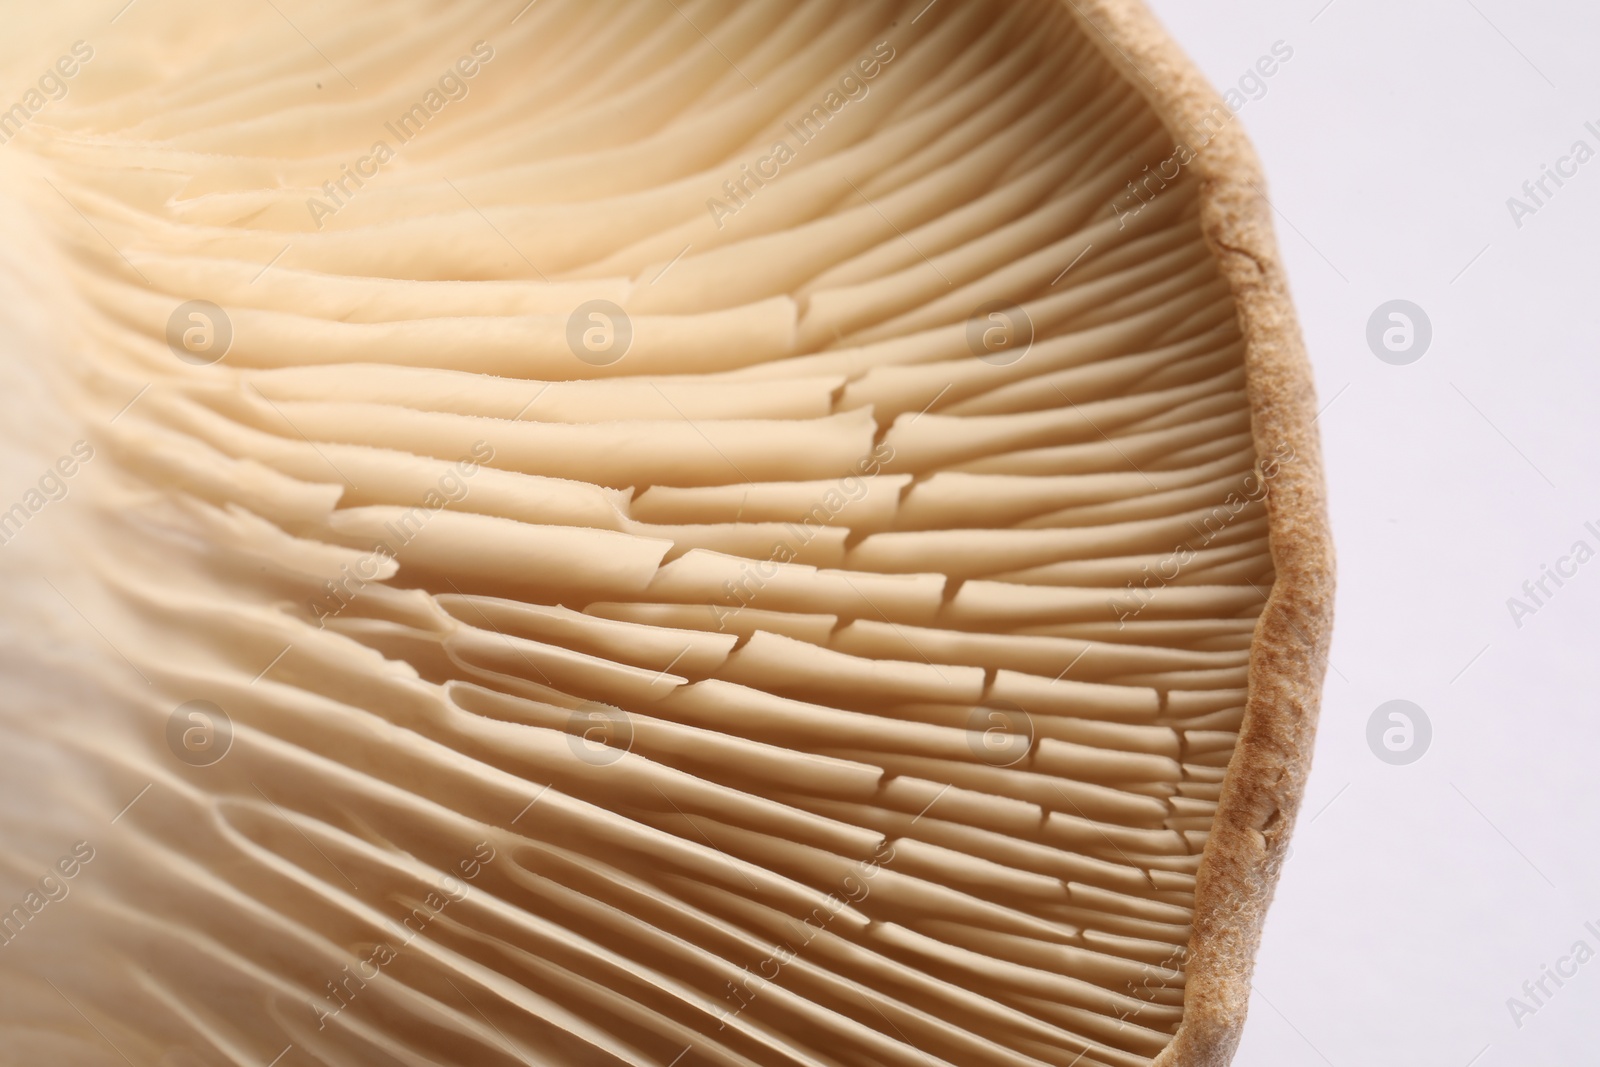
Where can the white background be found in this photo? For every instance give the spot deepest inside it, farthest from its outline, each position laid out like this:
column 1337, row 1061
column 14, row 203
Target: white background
column 1419, row 898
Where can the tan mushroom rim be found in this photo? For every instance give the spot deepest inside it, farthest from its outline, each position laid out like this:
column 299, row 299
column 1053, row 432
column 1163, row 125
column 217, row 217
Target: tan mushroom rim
column 1288, row 657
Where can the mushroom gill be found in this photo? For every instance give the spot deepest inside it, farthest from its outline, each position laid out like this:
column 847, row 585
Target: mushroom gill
column 642, row 533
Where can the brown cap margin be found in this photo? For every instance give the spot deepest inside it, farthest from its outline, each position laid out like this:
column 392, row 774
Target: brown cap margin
column 1289, row 653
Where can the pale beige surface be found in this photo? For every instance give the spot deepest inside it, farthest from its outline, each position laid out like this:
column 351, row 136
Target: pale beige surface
column 796, row 555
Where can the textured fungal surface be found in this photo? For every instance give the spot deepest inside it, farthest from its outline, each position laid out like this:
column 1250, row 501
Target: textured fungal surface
column 620, row 533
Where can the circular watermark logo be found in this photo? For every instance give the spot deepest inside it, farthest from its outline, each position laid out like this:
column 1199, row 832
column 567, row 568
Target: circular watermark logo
column 199, row 733
column 1398, row 732
column 599, row 734
column 1000, row 733
column 999, row 333
column 599, row 332
column 1399, row 332
column 199, row 332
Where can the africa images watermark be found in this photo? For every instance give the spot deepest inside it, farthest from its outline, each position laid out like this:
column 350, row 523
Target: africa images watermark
column 754, row 575
column 1154, row 977
column 52, row 85
column 199, row 733
column 1566, row 568
column 52, row 887
column 1215, row 521
column 452, row 86
column 1536, row 992
column 52, row 486
column 855, row 889
column 353, row 978
column 1566, row 167
column 1252, row 85
column 810, row 124
column 451, row 488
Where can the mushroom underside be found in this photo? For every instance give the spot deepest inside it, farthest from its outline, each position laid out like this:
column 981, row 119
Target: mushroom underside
column 718, row 531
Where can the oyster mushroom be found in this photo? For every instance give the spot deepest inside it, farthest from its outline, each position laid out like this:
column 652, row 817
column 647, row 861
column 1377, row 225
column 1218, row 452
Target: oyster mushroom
column 646, row 534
